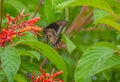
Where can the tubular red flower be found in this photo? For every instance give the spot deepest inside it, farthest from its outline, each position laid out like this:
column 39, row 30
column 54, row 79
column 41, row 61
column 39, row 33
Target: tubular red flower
column 16, row 28
column 45, row 77
column 24, row 29
column 36, row 29
column 33, row 21
column 56, row 74
column 9, row 19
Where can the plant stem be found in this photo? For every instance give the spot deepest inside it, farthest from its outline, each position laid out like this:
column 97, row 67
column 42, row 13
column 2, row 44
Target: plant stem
column 80, row 20
column 37, row 9
column 1, row 13
column 43, row 62
column 67, row 14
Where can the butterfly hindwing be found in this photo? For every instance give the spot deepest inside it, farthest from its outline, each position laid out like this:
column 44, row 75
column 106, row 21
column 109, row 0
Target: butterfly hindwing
column 53, row 31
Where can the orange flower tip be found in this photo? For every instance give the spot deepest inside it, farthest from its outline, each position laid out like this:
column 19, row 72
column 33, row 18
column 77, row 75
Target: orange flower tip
column 13, row 36
column 3, row 29
column 27, row 14
column 7, row 14
column 28, row 27
column 23, row 10
column 57, row 74
column 34, row 28
column 25, row 29
column 47, row 74
column 34, row 72
column 36, row 19
column 60, row 72
column 40, row 35
column 40, row 68
column 40, row 29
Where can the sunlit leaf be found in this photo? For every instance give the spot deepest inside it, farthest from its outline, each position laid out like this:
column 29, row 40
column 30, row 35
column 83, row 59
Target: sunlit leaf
column 20, row 78
column 110, row 22
column 34, row 54
column 99, row 14
column 95, row 59
column 102, row 4
column 70, row 45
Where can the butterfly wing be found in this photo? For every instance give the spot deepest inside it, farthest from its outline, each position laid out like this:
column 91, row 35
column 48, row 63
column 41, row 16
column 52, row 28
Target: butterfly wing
column 61, row 25
column 53, row 31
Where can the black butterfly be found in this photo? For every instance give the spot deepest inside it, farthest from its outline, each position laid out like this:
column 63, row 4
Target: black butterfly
column 53, row 32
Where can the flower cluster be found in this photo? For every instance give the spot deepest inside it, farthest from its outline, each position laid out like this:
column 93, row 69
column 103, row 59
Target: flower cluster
column 16, row 27
column 45, row 77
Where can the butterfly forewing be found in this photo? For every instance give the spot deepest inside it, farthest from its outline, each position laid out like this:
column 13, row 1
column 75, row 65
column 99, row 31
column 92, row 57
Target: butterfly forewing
column 61, row 25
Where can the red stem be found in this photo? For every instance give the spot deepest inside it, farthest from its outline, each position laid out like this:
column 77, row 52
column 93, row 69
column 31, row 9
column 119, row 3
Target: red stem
column 37, row 9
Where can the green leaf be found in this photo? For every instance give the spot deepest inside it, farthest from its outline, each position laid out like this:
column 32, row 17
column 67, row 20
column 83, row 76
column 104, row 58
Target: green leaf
column 49, row 52
column 107, row 74
column 71, row 67
column 29, row 53
column 17, row 5
column 2, row 75
column 20, row 78
column 99, row 14
column 29, row 36
column 30, row 67
column 102, row 4
column 70, row 45
column 49, row 10
column 10, row 62
column 95, row 59
column 110, row 22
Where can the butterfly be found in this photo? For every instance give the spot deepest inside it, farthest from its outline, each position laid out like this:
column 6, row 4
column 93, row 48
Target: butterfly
column 53, row 32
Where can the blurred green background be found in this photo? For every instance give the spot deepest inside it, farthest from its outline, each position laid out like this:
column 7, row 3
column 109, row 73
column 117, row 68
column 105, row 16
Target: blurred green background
column 83, row 30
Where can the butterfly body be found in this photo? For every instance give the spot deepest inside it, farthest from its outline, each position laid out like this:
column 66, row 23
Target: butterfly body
column 53, row 32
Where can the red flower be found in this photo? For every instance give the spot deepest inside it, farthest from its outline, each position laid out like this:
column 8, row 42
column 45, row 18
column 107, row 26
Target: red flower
column 16, row 28
column 45, row 77
column 33, row 21
column 7, row 36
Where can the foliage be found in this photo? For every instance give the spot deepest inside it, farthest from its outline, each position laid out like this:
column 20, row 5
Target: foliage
column 92, row 39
